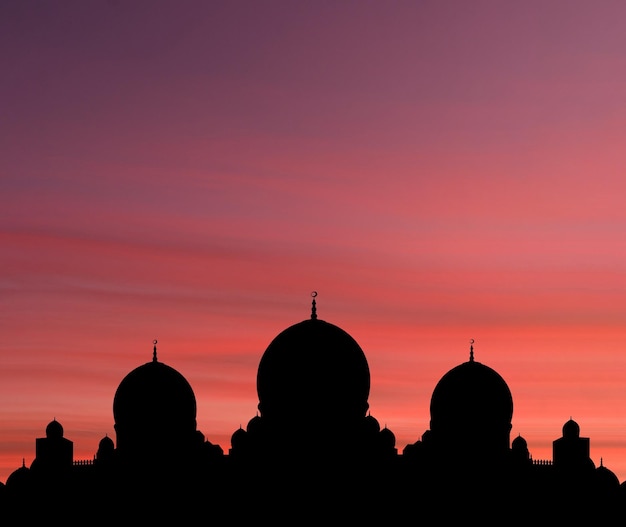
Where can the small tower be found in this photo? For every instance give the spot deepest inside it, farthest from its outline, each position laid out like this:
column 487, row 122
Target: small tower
column 53, row 452
column 571, row 450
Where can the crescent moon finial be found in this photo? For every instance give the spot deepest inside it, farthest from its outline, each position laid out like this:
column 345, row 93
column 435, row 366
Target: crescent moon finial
column 313, row 305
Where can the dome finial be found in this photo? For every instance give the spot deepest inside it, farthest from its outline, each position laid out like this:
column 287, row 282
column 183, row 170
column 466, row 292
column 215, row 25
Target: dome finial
column 471, row 350
column 154, row 356
column 313, row 306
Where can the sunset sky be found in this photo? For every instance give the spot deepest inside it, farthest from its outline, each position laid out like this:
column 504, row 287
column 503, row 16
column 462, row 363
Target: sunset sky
column 189, row 171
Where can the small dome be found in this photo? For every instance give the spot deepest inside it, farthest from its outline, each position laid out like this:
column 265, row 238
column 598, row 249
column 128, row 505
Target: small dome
column 371, row 424
column 54, row 430
column 388, row 438
column 239, row 438
column 19, row 479
column 106, row 444
column 255, row 425
column 106, row 449
column 571, row 429
column 519, row 443
column 606, row 478
column 313, row 367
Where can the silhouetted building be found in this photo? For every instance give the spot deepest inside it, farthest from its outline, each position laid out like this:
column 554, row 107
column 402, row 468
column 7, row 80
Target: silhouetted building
column 54, row 452
column 154, row 409
column 571, row 451
column 314, row 448
column 470, row 415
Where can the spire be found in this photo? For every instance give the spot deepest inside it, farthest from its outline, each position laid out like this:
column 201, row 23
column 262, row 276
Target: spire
column 471, row 350
column 313, row 306
column 154, row 356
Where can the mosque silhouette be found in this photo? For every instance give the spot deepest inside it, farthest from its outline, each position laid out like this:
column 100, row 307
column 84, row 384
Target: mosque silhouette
column 313, row 453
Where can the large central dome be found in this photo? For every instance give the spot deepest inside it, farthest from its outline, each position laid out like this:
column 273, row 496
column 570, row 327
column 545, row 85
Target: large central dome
column 313, row 367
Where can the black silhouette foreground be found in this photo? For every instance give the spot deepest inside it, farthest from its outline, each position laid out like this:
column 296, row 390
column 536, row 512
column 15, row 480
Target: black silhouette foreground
column 313, row 454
